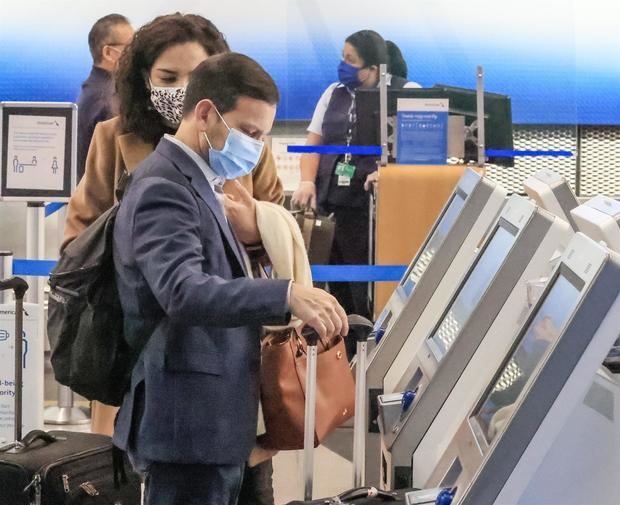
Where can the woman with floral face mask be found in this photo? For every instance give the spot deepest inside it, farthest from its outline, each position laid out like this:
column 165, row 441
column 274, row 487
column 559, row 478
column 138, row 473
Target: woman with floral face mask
column 151, row 80
column 335, row 184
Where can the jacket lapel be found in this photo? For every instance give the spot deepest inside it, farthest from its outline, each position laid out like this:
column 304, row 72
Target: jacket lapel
column 200, row 184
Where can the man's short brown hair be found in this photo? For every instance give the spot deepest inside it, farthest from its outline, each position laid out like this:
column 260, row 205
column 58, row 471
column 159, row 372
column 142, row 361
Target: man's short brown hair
column 226, row 77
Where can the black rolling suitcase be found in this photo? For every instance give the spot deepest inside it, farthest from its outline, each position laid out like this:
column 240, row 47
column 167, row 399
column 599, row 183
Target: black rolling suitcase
column 59, row 467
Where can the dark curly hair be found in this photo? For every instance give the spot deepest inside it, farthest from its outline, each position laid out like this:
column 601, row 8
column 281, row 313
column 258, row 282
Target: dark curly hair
column 137, row 114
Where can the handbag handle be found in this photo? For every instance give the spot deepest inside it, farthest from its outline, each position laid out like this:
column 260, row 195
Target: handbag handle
column 300, row 347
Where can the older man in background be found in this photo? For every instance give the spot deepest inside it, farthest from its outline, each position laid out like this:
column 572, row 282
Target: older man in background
column 106, row 40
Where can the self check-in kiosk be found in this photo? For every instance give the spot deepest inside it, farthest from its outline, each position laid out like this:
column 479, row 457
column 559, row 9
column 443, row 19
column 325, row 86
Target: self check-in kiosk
column 509, row 439
column 490, row 304
column 552, row 192
column 599, row 219
column 429, row 282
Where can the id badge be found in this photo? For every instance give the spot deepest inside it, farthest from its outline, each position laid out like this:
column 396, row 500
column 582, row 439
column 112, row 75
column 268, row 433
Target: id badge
column 344, row 181
column 345, row 172
column 345, row 169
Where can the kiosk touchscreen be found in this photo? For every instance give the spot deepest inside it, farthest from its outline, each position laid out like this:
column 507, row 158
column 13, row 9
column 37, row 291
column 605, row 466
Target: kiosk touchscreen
column 502, row 445
column 430, row 281
column 552, row 192
column 38, row 151
column 449, row 363
column 471, row 190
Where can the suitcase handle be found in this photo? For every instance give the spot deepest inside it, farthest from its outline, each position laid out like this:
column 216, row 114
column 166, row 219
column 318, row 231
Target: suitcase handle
column 17, row 284
column 35, row 435
column 359, row 327
column 366, row 492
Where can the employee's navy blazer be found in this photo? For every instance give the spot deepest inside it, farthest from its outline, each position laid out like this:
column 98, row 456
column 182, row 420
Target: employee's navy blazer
column 181, row 279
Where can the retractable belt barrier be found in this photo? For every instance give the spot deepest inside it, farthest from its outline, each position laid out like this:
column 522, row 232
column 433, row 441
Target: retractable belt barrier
column 376, row 151
column 320, row 273
column 53, row 207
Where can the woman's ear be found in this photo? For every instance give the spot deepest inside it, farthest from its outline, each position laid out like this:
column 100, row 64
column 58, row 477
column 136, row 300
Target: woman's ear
column 147, row 79
column 372, row 76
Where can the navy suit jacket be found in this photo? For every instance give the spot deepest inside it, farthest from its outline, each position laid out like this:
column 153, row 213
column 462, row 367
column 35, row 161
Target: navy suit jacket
column 194, row 391
column 96, row 103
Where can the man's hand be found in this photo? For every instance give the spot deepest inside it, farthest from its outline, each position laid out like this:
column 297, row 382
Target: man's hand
column 319, row 310
column 305, row 196
column 240, row 210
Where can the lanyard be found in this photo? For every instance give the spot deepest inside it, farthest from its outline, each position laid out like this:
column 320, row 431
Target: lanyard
column 351, row 119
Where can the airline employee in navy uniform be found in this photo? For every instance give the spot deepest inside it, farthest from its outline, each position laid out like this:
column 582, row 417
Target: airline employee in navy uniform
column 335, row 184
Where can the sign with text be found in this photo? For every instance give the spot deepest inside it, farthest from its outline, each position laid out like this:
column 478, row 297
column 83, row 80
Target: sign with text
column 38, row 146
column 422, row 131
column 33, row 364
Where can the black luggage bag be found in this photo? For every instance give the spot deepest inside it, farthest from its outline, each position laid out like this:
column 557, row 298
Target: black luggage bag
column 65, row 468
column 59, row 467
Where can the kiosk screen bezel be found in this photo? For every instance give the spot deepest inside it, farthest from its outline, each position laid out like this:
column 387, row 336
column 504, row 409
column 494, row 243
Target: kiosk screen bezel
column 563, row 273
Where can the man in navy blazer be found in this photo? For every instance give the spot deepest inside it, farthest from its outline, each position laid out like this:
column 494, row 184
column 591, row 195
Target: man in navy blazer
column 189, row 419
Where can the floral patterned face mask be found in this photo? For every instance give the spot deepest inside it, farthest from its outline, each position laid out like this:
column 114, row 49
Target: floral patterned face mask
column 168, row 102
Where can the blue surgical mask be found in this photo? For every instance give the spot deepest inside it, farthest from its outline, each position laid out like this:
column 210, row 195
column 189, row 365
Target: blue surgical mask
column 347, row 75
column 238, row 157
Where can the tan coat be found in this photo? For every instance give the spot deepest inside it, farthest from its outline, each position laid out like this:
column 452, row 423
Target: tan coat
column 111, row 153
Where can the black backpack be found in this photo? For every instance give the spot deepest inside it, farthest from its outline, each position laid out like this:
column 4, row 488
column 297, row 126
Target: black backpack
column 89, row 352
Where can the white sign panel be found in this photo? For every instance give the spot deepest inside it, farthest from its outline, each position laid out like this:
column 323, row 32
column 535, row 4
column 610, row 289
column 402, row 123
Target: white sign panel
column 33, row 369
column 36, row 152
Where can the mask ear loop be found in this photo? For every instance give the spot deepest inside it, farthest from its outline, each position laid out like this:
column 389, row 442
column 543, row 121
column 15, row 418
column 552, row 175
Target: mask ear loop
column 223, row 121
column 207, row 139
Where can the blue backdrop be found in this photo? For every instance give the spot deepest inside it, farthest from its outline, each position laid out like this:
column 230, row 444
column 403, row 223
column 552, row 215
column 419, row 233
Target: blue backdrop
column 558, row 60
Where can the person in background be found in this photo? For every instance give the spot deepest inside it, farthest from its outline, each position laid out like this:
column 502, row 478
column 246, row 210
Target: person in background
column 151, row 81
column 107, row 40
column 397, row 66
column 335, row 183
column 182, row 281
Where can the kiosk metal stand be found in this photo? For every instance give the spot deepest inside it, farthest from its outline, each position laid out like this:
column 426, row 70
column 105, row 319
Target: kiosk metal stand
column 6, row 271
column 35, row 247
column 480, row 120
column 372, row 236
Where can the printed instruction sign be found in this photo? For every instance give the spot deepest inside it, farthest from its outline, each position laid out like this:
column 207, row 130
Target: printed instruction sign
column 422, row 131
column 36, row 152
column 33, row 364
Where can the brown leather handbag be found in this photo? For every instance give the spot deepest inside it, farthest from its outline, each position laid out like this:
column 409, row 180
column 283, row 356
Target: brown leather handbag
column 283, row 384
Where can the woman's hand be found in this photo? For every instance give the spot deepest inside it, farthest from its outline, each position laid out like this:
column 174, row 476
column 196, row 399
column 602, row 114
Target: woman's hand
column 371, row 179
column 305, row 196
column 240, row 209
